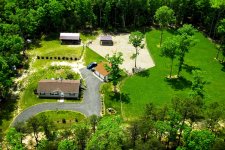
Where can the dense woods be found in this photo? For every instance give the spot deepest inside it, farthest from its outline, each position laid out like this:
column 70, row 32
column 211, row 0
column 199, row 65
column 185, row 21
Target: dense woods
column 177, row 125
column 168, row 127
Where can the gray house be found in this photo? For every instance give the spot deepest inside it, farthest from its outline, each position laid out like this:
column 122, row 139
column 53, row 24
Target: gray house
column 59, row 89
column 70, row 38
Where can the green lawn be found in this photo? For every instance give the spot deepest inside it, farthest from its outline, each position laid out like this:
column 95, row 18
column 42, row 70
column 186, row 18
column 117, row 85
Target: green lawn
column 71, row 118
column 151, row 85
column 54, row 48
column 91, row 56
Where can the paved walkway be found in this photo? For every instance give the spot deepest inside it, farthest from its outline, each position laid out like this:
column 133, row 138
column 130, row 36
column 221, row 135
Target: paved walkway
column 91, row 104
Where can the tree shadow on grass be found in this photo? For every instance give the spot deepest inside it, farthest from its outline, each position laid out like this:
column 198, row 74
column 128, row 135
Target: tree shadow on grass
column 179, row 83
column 223, row 68
column 190, row 68
column 7, row 107
column 145, row 73
column 120, row 97
column 51, row 36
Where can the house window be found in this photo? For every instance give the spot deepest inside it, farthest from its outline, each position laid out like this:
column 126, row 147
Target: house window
column 72, row 94
column 54, row 93
column 42, row 93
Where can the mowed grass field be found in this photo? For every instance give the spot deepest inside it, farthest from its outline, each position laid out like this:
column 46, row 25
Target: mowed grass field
column 151, row 86
column 54, row 48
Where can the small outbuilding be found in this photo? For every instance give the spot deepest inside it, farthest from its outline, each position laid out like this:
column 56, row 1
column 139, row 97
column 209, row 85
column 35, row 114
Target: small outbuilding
column 101, row 72
column 59, row 89
column 70, row 38
column 106, row 40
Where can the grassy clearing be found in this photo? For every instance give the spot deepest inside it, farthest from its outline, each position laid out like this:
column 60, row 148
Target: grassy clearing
column 54, row 48
column 151, row 86
column 90, row 36
column 71, row 118
column 28, row 98
column 91, row 56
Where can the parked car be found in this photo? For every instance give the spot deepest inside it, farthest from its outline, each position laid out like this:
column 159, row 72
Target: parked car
column 92, row 65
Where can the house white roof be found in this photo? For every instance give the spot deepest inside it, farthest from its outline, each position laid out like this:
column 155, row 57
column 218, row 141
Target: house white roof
column 69, row 36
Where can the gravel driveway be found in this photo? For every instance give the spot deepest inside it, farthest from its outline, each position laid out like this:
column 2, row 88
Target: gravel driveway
column 121, row 44
column 91, row 104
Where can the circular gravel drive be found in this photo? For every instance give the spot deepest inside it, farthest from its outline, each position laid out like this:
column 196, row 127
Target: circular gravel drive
column 91, row 104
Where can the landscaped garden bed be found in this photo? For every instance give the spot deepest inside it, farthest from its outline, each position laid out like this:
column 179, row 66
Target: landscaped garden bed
column 63, row 119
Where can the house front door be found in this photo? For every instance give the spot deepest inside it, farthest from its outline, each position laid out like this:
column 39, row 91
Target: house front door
column 62, row 95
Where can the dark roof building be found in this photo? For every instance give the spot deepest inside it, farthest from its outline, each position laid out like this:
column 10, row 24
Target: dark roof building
column 106, row 40
column 59, row 88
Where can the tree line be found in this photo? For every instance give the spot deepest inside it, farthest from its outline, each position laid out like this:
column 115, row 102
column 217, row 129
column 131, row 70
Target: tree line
column 22, row 20
column 184, row 124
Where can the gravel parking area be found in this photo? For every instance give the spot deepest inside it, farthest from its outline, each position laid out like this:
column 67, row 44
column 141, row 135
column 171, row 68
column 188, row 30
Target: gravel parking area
column 121, row 44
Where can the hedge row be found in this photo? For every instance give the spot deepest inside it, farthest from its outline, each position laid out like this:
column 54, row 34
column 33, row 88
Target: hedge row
column 57, row 58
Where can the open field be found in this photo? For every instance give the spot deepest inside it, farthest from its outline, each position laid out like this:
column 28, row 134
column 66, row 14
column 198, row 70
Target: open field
column 54, row 48
column 57, row 116
column 151, row 86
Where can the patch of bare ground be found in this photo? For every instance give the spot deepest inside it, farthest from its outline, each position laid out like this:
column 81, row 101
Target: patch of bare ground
column 121, row 44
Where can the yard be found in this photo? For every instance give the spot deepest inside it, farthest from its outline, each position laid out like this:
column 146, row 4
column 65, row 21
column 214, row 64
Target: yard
column 28, row 98
column 152, row 86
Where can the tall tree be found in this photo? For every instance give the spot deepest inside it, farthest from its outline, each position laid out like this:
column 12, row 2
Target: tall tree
column 34, row 126
column 197, row 87
column 198, row 139
column 82, row 133
column 218, row 7
column 186, row 41
column 13, row 139
column 221, row 32
column 170, row 50
column 66, row 145
column 136, row 39
column 94, row 122
column 47, row 125
column 109, row 134
column 164, row 16
column 115, row 60
column 213, row 114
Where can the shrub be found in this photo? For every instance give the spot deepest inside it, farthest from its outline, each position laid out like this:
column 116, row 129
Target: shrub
column 63, row 120
column 70, row 76
column 38, row 57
